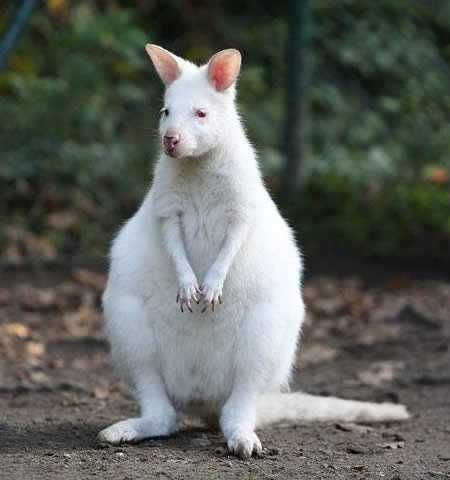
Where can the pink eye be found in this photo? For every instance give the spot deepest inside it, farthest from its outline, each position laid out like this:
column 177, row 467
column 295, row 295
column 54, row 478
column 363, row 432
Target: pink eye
column 200, row 113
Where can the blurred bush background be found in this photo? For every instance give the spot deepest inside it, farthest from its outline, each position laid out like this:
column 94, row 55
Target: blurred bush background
column 79, row 102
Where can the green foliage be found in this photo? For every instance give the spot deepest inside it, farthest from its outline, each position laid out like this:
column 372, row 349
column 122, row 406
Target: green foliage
column 79, row 100
column 382, row 97
column 67, row 119
column 382, row 221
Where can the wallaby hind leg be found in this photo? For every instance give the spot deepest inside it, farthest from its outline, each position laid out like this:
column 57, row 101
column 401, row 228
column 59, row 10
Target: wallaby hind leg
column 238, row 423
column 134, row 350
column 158, row 417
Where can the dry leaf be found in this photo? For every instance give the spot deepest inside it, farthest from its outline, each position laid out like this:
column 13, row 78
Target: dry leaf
column 317, row 353
column 90, row 279
column 382, row 333
column 101, row 393
column 5, row 296
column 12, row 252
column 40, row 378
column 33, row 298
column 18, row 330
column 65, row 220
column 35, row 349
column 81, row 322
column 329, row 306
column 38, row 246
column 380, row 373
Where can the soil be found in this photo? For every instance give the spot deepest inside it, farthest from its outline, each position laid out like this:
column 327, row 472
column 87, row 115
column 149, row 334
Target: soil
column 386, row 339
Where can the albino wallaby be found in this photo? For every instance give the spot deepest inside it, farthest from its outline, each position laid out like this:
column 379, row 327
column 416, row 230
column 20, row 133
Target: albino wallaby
column 204, row 303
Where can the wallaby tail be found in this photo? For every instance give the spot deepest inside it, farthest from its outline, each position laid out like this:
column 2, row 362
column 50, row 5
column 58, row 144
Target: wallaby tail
column 300, row 407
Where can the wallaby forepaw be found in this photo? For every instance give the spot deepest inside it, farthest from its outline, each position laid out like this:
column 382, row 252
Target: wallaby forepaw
column 244, row 445
column 212, row 293
column 188, row 293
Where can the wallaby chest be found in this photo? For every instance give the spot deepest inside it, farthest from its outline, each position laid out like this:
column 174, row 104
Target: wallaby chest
column 207, row 207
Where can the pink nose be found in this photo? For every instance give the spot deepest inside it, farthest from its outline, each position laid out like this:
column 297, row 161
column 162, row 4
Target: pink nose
column 170, row 141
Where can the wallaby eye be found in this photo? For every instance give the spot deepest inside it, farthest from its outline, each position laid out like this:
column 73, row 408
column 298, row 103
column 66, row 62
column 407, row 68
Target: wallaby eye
column 200, row 113
column 164, row 111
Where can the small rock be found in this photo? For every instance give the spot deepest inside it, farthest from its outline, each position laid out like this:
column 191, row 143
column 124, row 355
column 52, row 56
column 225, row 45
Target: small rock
column 393, row 445
column 432, row 380
column 353, row 427
column 393, row 436
column 102, row 446
column 380, row 373
column 359, row 468
column 411, row 315
column 202, row 441
column 357, row 449
column 435, row 474
column 272, row 451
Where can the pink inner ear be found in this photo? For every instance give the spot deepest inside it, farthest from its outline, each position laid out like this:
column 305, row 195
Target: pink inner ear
column 219, row 78
column 171, row 73
column 165, row 64
column 224, row 69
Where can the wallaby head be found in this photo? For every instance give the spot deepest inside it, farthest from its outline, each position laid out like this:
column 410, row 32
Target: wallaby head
column 198, row 101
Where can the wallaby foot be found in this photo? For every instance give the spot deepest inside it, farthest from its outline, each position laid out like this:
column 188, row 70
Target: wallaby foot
column 134, row 430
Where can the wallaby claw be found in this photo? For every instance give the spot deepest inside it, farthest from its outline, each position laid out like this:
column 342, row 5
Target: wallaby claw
column 186, row 294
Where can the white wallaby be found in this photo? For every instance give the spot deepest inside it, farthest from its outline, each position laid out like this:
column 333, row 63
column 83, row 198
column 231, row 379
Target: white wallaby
column 203, row 302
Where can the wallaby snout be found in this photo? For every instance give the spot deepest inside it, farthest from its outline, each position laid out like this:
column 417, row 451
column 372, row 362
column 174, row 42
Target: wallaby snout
column 170, row 141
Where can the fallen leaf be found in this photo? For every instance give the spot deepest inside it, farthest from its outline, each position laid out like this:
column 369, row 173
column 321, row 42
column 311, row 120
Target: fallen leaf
column 90, row 279
column 40, row 378
column 329, row 306
column 380, row 373
column 317, row 353
column 82, row 322
column 32, row 298
column 101, row 393
column 5, row 296
column 18, row 330
column 63, row 221
column 35, row 349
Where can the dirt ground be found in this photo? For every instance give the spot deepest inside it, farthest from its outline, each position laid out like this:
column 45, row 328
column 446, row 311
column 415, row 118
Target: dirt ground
column 387, row 339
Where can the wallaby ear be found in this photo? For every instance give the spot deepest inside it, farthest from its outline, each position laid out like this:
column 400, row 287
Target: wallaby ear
column 223, row 69
column 164, row 62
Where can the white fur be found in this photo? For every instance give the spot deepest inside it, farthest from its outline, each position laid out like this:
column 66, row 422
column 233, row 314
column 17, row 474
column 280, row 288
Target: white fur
column 208, row 222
